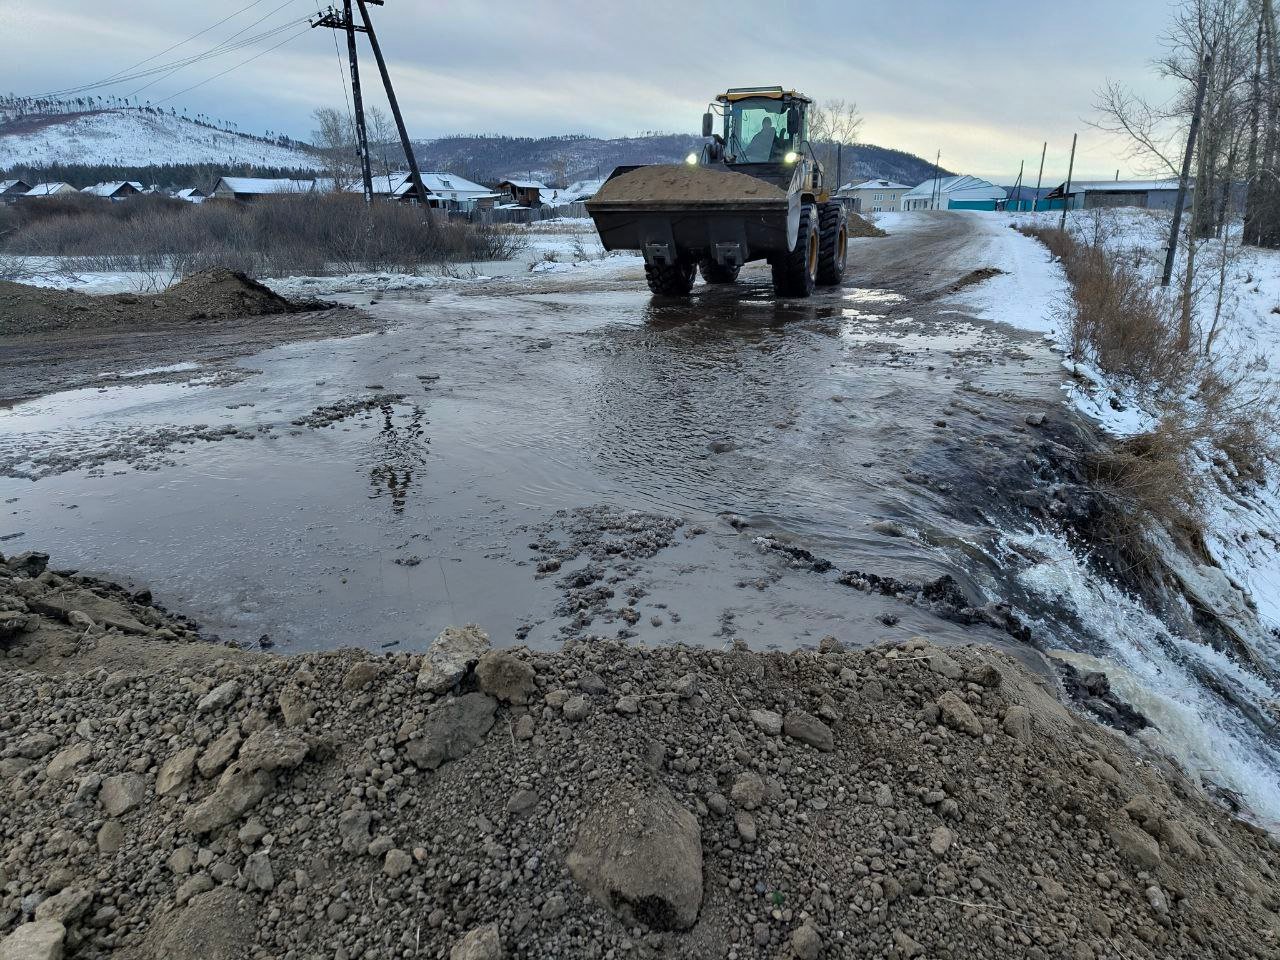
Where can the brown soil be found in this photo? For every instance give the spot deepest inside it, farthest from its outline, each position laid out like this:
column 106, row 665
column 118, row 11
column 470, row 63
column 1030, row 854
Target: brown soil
column 211, row 295
column 675, row 182
column 859, row 227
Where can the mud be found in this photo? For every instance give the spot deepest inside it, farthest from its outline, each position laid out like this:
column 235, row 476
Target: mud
column 665, row 183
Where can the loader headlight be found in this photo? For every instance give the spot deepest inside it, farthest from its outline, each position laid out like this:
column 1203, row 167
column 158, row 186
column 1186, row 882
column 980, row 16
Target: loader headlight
column 691, row 159
column 791, row 156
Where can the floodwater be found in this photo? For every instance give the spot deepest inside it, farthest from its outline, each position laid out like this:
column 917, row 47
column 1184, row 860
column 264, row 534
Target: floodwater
column 575, row 458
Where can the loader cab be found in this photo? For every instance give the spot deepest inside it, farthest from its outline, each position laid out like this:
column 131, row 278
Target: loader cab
column 761, row 125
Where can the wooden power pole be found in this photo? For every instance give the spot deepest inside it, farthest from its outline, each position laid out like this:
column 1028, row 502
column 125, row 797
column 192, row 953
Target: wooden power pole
column 347, row 25
column 419, row 190
column 1066, row 189
column 1186, row 173
column 1035, row 202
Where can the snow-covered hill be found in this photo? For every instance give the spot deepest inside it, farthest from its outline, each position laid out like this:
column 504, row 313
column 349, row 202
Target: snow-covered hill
column 134, row 138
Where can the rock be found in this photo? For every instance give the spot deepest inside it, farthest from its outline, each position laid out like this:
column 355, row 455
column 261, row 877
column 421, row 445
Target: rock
column 353, row 829
column 252, row 832
column 906, row 946
column 272, row 749
column 524, row 728
column 238, row 791
column 362, row 675
column 807, row 728
column 718, row 804
column 296, row 707
column 40, row 940
column 1176, row 837
column 1017, row 723
column 770, row 723
column 66, row 907
column 1104, row 771
column 1144, row 810
column 746, row 825
column 452, row 730
column 503, row 675
column 397, row 863
column 1054, row 890
column 627, row 705
column 555, row 907
column 176, row 771
column 940, row 841
column 942, row 664
column 257, row 871
column 576, row 709
column 806, row 943
column 219, row 698
column 639, row 853
column 36, row 745
column 29, row 564
column 181, row 861
column 65, row 763
column 120, row 794
column 482, row 943
column 958, row 715
column 1137, row 846
column 985, row 675
column 521, row 802
column 455, row 651
column 110, row 837
column 747, row 791
column 592, row 685
column 217, row 925
column 193, row 887
column 218, row 754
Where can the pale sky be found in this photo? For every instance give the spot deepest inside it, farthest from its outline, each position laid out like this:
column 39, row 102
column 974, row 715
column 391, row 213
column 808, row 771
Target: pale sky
column 984, row 81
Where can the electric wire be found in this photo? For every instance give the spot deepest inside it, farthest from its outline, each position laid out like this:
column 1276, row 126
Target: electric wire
column 261, row 53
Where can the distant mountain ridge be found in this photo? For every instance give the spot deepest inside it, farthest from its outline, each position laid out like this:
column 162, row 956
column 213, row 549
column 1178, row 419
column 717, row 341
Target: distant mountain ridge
column 563, row 159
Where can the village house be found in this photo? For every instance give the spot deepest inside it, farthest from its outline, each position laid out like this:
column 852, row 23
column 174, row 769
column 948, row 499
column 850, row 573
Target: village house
column 955, row 193
column 875, row 196
column 191, row 195
column 1095, row 194
column 524, row 193
column 114, row 190
column 55, row 188
column 11, row 190
column 254, row 188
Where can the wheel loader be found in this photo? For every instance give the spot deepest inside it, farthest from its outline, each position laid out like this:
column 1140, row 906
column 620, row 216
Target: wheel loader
column 754, row 192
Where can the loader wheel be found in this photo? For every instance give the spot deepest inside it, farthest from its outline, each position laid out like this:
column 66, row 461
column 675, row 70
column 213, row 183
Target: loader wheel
column 833, row 243
column 675, row 280
column 712, row 272
column 795, row 273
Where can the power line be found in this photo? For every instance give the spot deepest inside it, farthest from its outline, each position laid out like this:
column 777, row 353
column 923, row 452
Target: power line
column 237, row 66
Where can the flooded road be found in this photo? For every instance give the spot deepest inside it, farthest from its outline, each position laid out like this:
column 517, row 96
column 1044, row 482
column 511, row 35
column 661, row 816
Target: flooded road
column 374, row 489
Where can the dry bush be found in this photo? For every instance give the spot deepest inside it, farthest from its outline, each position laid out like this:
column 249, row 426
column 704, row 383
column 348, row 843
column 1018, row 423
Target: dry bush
column 308, row 235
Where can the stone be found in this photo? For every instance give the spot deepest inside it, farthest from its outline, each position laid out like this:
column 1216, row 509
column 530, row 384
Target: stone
column 906, row 946
column 39, row 940
column 627, row 705
column 770, row 723
column 943, row 665
column 807, row 728
column 576, row 709
column 193, row 887
column 296, row 708
column 555, row 907
column 506, row 677
column 66, row 906
column 353, row 830
column 985, row 675
column 176, row 771
column 958, row 715
column 1137, row 846
column 1054, row 890
column 397, row 863
column 272, row 749
column 216, row 925
column 747, row 791
column 1178, row 840
column 746, row 825
column 806, row 943
column 252, row 832
column 218, row 754
column 525, row 728
column 65, row 763
column 181, row 861
column 482, row 943
column 258, row 872
column 940, row 841
column 362, row 675
column 455, row 651
column 239, row 790
column 639, row 853
column 521, row 802
column 32, row 563
column 1017, row 723
column 452, row 730
column 121, row 793
column 36, row 745
column 110, row 837
column 219, row 698
column 592, row 684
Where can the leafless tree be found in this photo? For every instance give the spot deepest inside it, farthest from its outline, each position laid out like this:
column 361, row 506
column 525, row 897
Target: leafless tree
column 335, row 138
column 833, row 125
column 383, row 140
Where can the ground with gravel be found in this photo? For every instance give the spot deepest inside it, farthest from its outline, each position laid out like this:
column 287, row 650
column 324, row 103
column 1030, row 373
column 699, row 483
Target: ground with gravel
column 171, row 798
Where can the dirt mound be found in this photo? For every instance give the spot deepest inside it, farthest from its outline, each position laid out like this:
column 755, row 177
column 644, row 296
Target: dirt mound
column 669, row 183
column 207, row 296
column 858, row 227
column 603, row 800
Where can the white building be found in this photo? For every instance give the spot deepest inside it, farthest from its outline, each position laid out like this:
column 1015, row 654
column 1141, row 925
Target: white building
column 954, row 193
column 875, row 196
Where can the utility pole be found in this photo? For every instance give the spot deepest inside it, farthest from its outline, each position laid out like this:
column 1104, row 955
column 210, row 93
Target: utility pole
column 1066, row 190
column 415, row 177
column 937, row 186
column 347, row 25
column 1035, row 202
column 1186, row 172
column 1017, row 187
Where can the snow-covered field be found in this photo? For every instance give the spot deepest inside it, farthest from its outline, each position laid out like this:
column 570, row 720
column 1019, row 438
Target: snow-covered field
column 131, row 138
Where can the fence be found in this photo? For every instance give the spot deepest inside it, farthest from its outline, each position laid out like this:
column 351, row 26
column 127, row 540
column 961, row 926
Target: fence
column 529, row 214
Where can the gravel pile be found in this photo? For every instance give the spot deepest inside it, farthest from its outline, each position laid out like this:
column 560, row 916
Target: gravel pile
column 181, row 800
column 672, row 183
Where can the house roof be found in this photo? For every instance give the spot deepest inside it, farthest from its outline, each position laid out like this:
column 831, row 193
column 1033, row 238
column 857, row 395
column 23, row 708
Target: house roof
column 7, row 185
column 186, row 193
column 1123, row 186
column 111, row 188
column 524, row 184
column 262, row 185
column 47, row 189
column 876, row 185
column 957, row 188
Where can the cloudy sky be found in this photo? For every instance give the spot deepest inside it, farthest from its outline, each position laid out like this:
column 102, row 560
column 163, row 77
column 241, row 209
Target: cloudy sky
column 985, row 81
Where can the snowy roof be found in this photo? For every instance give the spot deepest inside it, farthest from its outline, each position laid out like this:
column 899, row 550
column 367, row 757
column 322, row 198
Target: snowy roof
column 111, row 188
column 48, row 189
column 187, row 193
column 1122, row 186
column 262, row 185
column 876, row 185
column 962, row 188
column 525, row 184
column 584, row 189
column 7, row 185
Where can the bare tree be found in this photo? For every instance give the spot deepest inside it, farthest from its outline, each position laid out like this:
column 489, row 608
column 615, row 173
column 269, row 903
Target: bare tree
column 383, row 140
column 335, row 138
column 833, row 125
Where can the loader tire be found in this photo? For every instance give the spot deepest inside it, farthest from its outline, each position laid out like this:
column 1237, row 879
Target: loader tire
column 833, row 243
column 712, row 272
column 674, row 280
column 796, row 273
